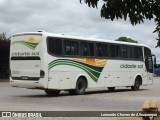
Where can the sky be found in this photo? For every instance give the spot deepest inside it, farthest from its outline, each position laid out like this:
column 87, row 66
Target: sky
column 70, row 17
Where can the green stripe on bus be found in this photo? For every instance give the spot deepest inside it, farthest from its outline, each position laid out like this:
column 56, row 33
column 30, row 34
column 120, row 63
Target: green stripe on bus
column 93, row 71
column 27, row 44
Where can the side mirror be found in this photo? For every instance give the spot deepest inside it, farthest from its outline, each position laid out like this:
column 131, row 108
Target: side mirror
column 149, row 64
column 154, row 60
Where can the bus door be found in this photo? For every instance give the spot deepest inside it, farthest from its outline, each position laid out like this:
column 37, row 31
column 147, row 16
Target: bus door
column 149, row 65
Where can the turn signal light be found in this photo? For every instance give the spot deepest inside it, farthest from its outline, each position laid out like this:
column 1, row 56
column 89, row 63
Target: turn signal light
column 9, row 72
column 42, row 74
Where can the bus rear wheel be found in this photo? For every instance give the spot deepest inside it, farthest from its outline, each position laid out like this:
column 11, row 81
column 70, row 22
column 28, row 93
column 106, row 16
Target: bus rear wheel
column 137, row 84
column 52, row 92
column 80, row 87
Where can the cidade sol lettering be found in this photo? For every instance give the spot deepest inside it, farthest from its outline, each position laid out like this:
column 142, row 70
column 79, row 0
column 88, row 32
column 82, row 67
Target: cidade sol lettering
column 127, row 66
column 140, row 66
column 21, row 54
column 25, row 54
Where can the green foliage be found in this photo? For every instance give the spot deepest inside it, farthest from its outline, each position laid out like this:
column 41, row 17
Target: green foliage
column 125, row 39
column 2, row 36
column 134, row 10
column 4, row 41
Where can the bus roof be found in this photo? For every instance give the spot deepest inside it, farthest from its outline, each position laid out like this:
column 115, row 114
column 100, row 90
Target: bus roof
column 47, row 34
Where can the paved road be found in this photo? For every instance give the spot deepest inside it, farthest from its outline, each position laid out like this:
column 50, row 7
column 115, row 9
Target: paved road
column 123, row 99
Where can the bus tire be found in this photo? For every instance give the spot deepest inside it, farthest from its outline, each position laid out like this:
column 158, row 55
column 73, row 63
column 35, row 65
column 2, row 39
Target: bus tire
column 52, row 92
column 137, row 84
column 111, row 88
column 80, row 87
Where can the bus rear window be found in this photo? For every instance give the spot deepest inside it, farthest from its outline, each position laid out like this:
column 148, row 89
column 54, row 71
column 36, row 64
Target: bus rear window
column 54, row 46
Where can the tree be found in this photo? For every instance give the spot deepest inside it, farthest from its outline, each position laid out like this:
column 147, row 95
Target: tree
column 3, row 36
column 125, row 39
column 134, row 10
column 4, row 53
column 4, row 41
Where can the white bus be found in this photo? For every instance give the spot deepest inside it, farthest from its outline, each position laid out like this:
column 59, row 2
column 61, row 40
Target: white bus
column 52, row 62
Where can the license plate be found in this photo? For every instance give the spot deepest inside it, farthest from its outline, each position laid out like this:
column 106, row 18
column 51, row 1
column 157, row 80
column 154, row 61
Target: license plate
column 24, row 77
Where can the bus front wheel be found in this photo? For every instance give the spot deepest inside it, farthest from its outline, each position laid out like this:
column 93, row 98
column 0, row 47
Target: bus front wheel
column 52, row 92
column 80, row 87
column 137, row 84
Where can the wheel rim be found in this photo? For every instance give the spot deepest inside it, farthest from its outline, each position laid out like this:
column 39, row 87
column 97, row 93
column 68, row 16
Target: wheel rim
column 137, row 84
column 80, row 86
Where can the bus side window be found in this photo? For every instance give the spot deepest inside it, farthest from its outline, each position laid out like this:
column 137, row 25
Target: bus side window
column 124, row 51
column 99, row 51
column 87, row 49
column 105, row 50
column 147, row 52
column 138, row 55
column 118, row 51
column 83, row 48
column 102, row 50
column 71, row 47
column 130, row 53
column 67, row 44
column 91, row 49
column 112, row 50
column 115, row 51
column 54, row 46
column 74, row 48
